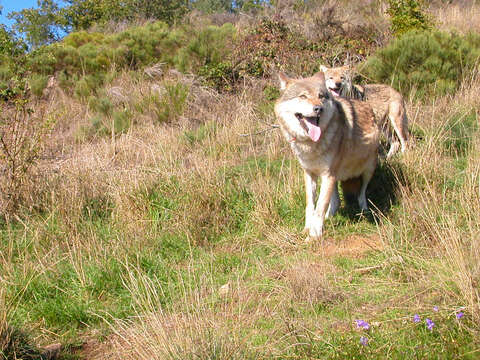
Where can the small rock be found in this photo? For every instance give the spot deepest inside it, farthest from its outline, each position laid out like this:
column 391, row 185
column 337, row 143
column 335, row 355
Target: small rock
column 52, row 351
column 224, row 289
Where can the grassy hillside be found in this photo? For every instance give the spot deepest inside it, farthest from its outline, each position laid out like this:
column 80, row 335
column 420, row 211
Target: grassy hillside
column 149, row 210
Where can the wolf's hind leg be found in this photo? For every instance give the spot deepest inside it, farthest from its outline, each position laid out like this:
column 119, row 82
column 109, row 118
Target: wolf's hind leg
column 398, row 121
column 334, row 202
column 362, row 198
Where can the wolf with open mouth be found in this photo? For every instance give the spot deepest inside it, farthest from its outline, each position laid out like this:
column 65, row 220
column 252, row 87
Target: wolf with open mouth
column 388, row 105
column 333, row 138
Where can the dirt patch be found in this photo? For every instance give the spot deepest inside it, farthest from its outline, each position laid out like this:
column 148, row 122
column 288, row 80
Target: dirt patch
column 91, row 349
column 354, row 246
column 310, row 283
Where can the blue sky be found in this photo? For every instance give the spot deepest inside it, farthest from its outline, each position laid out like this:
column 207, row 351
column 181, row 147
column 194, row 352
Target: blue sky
column 14, row 5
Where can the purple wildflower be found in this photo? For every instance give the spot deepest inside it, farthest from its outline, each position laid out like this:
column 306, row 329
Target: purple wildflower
column 416, row 318
column 460, row 315
column 430, row 324
column 435, row 308
column 362, row 324
column 364, row 341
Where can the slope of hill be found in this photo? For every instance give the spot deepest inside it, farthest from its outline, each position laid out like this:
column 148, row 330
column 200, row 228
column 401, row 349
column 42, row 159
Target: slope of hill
column 151, row 211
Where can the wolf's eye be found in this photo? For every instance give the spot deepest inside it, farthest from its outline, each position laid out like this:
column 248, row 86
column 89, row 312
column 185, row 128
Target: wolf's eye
column 303, row 96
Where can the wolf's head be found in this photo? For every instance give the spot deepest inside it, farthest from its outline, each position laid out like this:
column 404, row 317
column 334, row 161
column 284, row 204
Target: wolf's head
column 336, row 78
column 305, row 105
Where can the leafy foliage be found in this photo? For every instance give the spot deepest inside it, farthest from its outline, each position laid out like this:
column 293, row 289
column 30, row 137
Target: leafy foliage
column 172, row 102
column 12, row 50
column 10, row 46
column 42, row 25
column 82, row 14
column 429, row 62
column 83, row 60
column 39, row 25
column 208, row 46
column 212, row 6
column 407, row 15
column 272, row 44
column 22, row 134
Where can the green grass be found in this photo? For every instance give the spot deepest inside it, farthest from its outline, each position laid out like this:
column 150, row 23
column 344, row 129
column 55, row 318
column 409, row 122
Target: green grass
column 76, row 289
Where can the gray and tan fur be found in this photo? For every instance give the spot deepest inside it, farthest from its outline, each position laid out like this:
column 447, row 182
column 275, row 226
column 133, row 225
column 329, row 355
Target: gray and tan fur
column 335, row 139
column 386, row 103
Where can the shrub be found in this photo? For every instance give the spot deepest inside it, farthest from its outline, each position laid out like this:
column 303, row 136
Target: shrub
column 82, row 60
column 89, row 56
column 429, row 62
column 205, row 54
column 220, row 76
column 407, row 15
column 38, row 83
column 171, row 103
column 15, row 344
column 85, row 86
column 22, row 134
column 122, row 120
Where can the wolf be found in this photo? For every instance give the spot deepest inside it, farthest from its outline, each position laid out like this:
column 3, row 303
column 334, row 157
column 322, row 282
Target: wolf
column 385, row 101
column 333, row 138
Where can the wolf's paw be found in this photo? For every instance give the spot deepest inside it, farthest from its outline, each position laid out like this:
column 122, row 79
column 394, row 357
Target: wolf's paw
column 315, row 231
column 312, row 239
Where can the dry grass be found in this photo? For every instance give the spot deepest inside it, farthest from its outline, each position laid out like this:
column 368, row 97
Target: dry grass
column 201, row 330
column 309, row 283
column 438, row 223
column 220, row 322
column 336, row 17
column 460, row 16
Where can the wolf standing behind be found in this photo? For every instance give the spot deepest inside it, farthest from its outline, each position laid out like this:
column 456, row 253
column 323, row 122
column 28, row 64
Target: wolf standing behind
column 335, row 139
column 386, row 103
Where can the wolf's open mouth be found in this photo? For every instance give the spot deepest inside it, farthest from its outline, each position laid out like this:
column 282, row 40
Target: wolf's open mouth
column 312, row 124
column 335, row 91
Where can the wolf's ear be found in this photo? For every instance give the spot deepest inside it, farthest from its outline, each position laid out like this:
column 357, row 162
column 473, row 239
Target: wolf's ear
column 320, row 76
column 323, row 68
column 284, row 80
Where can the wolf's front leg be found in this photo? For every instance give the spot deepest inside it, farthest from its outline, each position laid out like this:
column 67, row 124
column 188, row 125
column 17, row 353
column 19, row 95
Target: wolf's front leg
column 326, row 189
column 310, row 193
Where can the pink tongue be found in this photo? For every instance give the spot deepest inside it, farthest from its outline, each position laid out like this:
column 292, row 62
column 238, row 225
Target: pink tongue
column 313, row 131
column 334, row 92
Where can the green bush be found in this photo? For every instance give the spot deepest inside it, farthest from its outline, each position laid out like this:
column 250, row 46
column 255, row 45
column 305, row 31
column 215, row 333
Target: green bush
column 83, row 60
column 220, row 76
column 206, row 54
column 207, row 47
column 122, row 120
column 38, row 83
column 15, row 344
column 433, row 63
column 407, row 15
column 172, row 103
column 102, row 104
column 87, row 85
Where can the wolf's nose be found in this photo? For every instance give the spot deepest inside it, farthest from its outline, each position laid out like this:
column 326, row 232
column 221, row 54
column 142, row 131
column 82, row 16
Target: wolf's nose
column 338, row 84
column 317, row 109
